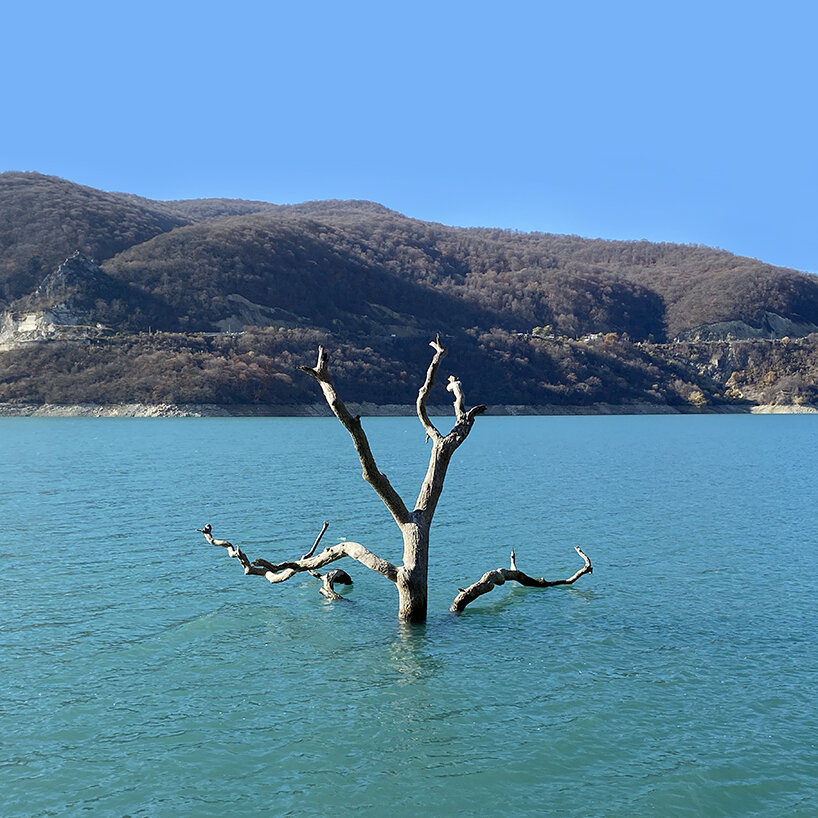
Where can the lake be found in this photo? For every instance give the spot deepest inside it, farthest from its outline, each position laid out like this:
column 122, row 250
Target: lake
column 145, row 675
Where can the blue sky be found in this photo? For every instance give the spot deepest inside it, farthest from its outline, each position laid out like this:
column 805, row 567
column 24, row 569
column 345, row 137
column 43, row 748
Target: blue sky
column 690, row 122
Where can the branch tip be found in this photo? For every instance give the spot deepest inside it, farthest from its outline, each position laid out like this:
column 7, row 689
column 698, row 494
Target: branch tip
column 321, row 370
column 309, row 553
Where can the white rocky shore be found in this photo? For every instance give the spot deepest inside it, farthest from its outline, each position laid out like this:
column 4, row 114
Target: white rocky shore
column 198, row 410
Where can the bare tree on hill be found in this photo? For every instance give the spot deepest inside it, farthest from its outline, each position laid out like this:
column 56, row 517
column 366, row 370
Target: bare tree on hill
column 410, row 577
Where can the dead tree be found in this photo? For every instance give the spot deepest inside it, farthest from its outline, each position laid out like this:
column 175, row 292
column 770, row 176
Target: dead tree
column 410, row 577
column 414, row 525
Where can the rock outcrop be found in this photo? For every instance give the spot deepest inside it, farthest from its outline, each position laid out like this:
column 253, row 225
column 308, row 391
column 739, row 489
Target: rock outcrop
column 771, row 326
column 78, row 301
column 66, row 303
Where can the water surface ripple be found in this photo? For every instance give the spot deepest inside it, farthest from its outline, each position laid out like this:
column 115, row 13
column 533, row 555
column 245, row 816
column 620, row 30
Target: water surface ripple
column 144, row 675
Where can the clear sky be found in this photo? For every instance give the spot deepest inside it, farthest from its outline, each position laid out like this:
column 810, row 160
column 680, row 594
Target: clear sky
column 680, row 121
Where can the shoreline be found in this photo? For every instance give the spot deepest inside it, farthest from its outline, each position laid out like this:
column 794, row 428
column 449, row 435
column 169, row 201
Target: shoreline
column 205, row 410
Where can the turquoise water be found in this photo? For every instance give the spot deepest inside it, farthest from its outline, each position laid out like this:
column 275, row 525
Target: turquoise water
column 145, row 675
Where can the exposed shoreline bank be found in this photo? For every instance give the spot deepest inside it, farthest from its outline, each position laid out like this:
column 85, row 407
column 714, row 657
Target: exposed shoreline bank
column 204, row 410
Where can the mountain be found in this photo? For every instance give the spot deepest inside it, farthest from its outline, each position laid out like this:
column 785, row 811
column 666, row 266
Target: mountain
column 221, row 262
column 537, row 318
column 284, row 270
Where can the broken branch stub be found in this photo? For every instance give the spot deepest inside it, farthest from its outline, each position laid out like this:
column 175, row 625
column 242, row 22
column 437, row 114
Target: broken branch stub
column 456, row 388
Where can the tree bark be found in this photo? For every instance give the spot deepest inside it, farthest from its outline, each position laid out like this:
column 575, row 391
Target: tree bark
column 412, row 579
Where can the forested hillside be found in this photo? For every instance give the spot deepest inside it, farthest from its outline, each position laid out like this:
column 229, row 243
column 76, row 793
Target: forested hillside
column 43, row 220
column 150, row 308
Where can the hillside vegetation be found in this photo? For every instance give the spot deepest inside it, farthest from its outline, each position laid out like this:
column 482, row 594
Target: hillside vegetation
column 149, row 308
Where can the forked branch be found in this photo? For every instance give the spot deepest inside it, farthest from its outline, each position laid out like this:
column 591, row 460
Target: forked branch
column 444, row 447
column 500, row 576
column 371, row 473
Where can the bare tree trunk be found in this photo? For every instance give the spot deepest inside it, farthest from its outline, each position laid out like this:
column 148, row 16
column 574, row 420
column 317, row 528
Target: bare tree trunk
column 412, row 577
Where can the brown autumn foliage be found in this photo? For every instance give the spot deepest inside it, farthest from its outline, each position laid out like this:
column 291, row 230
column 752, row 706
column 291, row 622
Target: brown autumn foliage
column 357, row 268
column 260, row 367
column 242, row 292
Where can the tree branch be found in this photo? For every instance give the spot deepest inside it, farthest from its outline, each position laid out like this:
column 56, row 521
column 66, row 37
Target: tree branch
column 280, row 572
column 500, row 576
column 285, row 570
column 423, row 392
column 442, row 450
column 232, row 550
column 371, row 474
column 317, row 540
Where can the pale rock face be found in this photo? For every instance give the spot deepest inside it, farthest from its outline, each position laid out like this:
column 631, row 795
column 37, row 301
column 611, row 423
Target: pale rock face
column 30, row 327
column 58, row 304
column 21, row 328
column 772, row 326
column 33, row 322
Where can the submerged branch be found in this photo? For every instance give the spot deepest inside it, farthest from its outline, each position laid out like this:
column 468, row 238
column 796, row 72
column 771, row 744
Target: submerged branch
column 500, row 576
column 328, row 581
column 309, row 563
column 282, row 571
